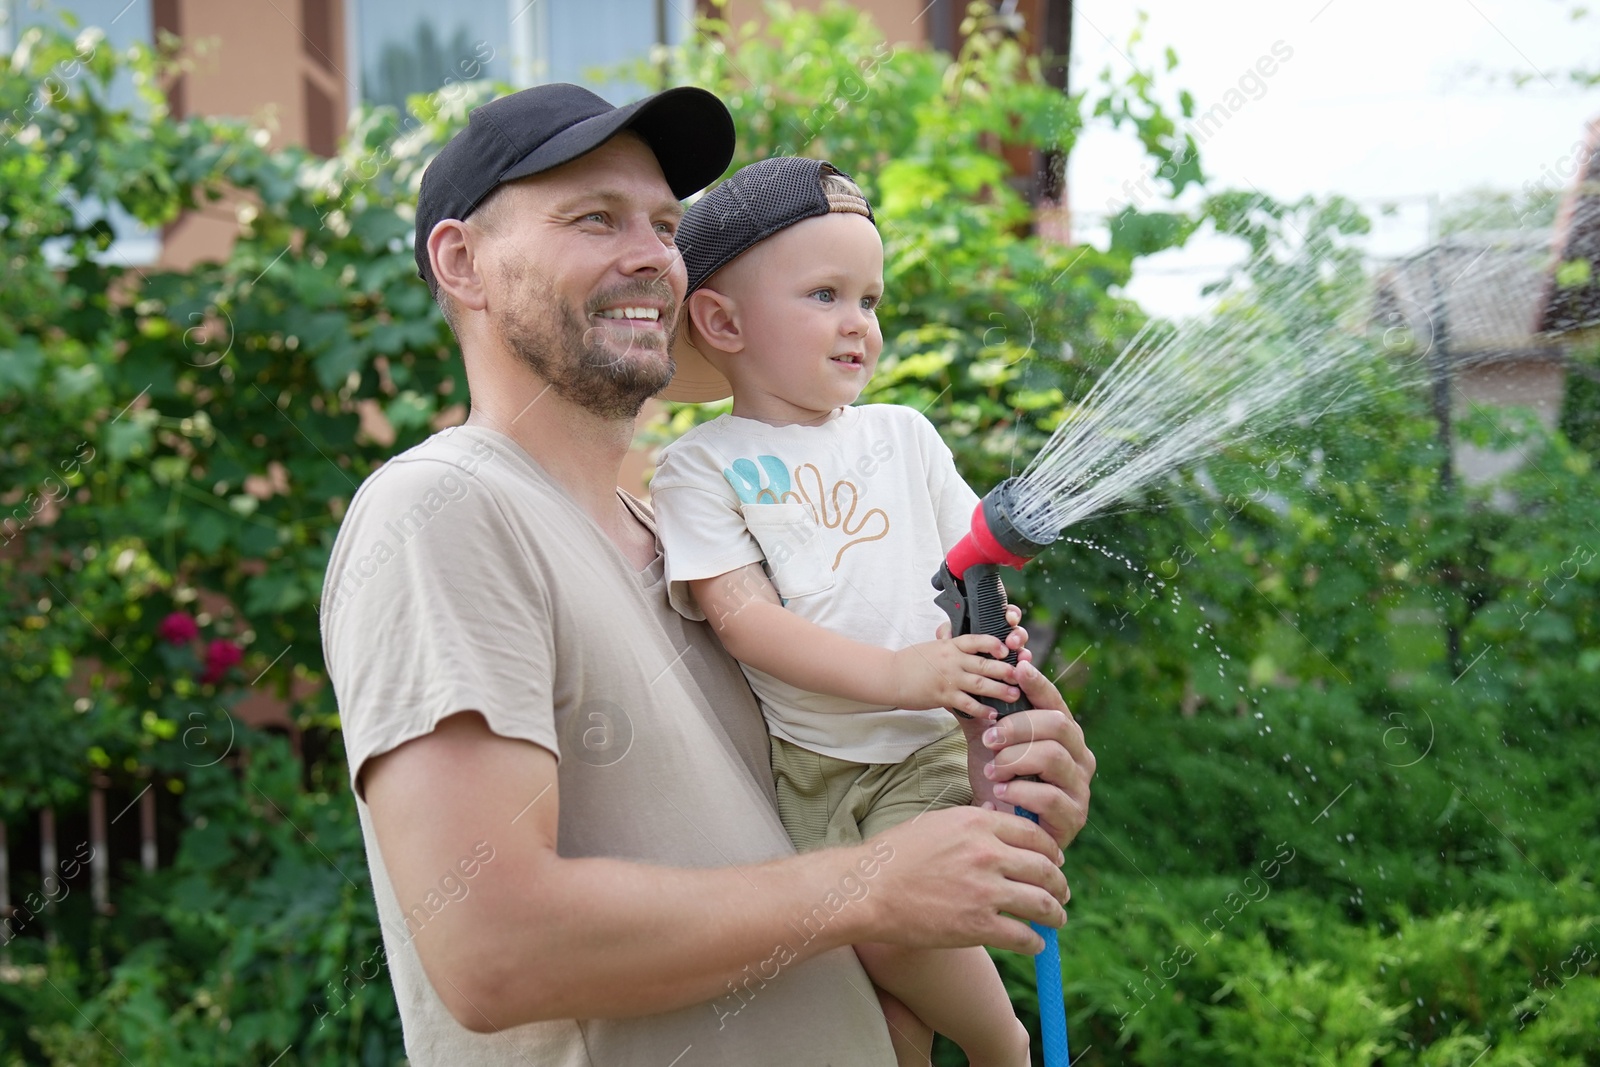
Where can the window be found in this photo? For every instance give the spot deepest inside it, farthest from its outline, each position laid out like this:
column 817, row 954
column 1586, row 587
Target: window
column 418, row 46
column 402, row 47
column 124, row 23
column 626, row 31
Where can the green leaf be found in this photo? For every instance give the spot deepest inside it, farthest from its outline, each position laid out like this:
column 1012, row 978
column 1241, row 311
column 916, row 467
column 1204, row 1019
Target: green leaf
column 409, row 411
column 20, row 367
column 1573, row 273
column 335, row 364
column 207, row 531
column 1135, row 233
column 72, row 383
column 276, row 591
column 127, row 437
column 321, row 329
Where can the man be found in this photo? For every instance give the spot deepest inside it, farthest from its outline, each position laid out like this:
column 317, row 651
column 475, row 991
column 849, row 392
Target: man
column 563, row 785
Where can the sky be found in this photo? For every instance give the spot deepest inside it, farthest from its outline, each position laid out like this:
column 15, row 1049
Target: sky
column 1383, row 101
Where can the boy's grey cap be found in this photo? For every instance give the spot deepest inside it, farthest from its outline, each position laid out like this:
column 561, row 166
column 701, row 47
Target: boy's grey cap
column 730, row 219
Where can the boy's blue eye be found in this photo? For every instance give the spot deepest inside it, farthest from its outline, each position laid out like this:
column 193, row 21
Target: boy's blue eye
column 824, row 295
column 870, row 303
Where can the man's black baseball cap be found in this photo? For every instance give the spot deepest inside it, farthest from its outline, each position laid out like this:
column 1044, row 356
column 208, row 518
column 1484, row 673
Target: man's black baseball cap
column 538, row 129
column 729, row 220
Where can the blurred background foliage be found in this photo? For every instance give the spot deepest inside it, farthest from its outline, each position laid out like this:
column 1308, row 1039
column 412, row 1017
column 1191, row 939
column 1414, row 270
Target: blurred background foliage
column 1344, row 711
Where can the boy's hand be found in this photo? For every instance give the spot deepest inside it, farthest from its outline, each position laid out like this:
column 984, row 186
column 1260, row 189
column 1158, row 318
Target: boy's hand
column 952, row 673
column 1016, row 641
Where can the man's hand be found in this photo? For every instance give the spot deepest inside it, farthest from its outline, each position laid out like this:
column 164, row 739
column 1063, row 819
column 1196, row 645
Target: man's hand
column 952, row 674
column 964, row 876
column 1046, row 742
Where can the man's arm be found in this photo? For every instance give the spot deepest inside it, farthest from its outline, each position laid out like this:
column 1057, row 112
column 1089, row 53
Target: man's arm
column 745, row 611
column 540, row 936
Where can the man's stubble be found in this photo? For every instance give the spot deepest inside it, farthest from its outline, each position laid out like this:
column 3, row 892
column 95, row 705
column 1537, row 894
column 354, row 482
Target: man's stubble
column 577, row 360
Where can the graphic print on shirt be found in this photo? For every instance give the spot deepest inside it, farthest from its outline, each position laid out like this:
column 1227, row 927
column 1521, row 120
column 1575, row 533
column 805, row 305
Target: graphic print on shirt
column 833, row 509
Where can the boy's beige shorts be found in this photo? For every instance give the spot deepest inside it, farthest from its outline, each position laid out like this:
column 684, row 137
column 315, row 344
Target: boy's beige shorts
column 823, row 800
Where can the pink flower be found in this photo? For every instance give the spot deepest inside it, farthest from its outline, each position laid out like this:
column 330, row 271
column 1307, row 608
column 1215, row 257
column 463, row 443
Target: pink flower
column 178, row 628
column 220, row 655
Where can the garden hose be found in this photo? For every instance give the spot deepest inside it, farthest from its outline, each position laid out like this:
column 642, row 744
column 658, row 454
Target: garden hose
column 972, row 595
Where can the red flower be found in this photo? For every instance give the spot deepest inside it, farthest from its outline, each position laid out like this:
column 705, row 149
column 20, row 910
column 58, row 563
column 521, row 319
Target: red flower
column 220, row 655
column 178, row 628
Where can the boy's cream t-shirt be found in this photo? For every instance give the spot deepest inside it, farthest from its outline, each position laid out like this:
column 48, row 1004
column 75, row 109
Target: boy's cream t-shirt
column 852, row 518
column 464, row 578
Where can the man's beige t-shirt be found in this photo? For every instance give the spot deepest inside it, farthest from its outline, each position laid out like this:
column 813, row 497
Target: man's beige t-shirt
column 465, row 578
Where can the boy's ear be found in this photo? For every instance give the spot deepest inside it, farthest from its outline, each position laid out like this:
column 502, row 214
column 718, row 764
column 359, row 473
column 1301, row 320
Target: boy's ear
column 716, row 320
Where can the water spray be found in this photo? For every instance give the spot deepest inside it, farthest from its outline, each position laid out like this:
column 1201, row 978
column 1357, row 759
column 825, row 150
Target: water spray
column 1165, row 401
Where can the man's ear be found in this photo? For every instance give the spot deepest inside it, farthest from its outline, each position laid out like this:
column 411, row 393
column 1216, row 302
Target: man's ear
column 715, row 317
column 455, row 264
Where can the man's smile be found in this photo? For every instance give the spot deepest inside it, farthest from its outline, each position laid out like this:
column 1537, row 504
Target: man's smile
column 638, row 316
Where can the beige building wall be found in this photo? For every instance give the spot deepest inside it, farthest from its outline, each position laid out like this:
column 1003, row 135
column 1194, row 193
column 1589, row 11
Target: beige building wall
column 1537, row 385
column 902, row 21
column 279, row 65
column 262, row 60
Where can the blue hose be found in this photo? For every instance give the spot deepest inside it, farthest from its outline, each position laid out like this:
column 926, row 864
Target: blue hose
column 976, row 603
column 1047, row 980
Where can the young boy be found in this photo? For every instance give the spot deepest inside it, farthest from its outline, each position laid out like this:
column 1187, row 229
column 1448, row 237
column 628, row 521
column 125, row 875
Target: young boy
column 807, row 531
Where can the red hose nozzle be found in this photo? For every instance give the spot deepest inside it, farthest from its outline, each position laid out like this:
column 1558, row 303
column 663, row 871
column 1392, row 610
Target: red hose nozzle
column 994, row 537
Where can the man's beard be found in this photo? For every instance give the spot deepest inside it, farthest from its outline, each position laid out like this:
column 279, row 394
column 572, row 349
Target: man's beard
column 575, row 359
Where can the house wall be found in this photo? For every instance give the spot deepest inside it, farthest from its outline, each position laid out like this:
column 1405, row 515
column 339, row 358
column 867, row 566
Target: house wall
column 1535, row 384
column 278, row 65
column 902, row 21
